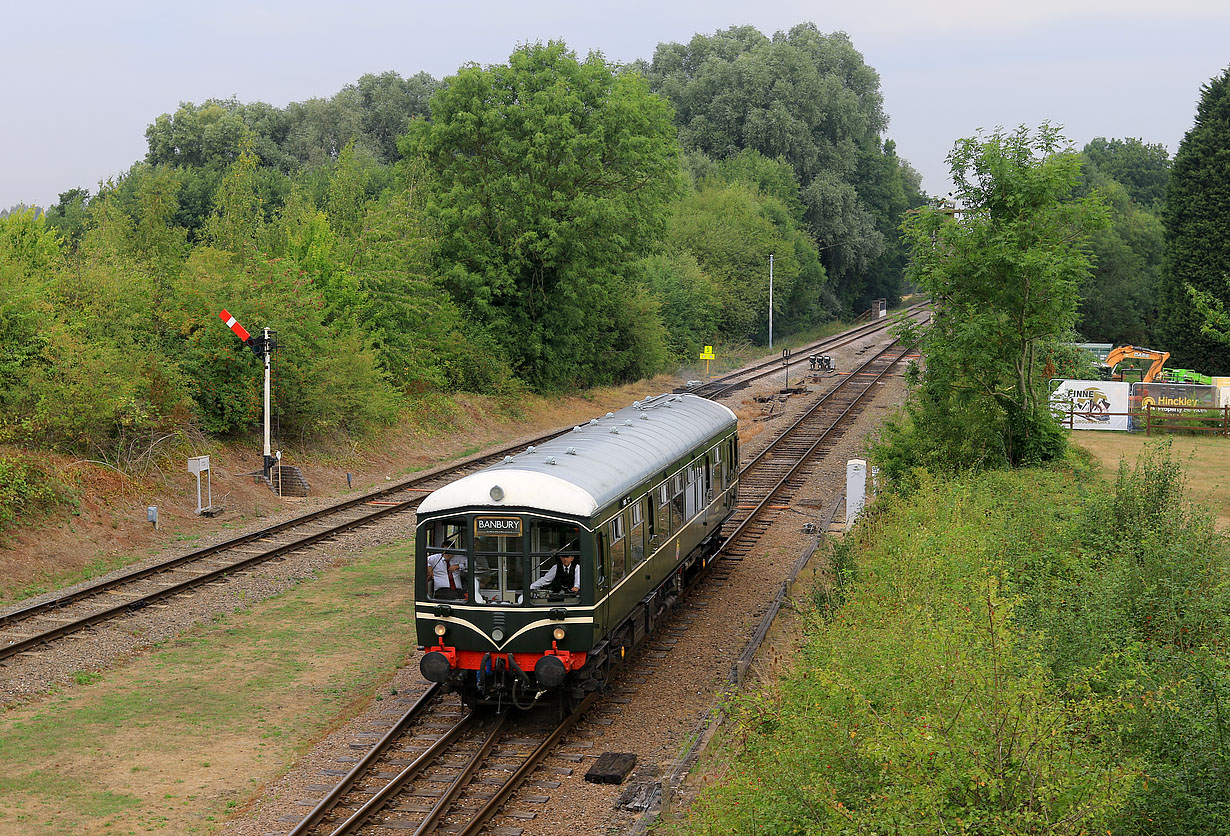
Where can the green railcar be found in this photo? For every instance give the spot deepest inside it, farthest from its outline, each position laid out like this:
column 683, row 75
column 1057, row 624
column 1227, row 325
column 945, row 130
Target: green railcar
column 534, row 576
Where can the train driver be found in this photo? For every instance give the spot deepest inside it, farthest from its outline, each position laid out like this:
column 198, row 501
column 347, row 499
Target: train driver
column 564, row 576
column 448, row 575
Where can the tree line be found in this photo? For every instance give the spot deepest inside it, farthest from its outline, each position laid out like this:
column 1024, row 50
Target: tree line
column 556, row 221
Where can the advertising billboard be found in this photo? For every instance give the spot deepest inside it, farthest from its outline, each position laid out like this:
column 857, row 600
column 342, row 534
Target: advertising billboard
column 1093, row 404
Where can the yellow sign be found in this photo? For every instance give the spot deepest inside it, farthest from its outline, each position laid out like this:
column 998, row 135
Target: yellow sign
column 708, row 354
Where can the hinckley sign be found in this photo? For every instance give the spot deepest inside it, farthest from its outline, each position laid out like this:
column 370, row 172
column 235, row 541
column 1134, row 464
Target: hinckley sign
column 497, row 526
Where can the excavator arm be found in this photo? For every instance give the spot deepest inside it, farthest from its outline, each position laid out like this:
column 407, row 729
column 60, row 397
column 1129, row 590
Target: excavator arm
column 1131, row 352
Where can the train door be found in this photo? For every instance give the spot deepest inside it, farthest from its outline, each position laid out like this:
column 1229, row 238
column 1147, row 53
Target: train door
column 638, row 552
column 602, row 586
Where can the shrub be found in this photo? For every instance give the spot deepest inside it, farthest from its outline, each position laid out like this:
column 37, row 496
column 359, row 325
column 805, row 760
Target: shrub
column 26, row 489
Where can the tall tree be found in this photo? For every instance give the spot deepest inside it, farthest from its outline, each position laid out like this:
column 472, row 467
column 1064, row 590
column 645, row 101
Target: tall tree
column 551, row 176
column 1119, row 302
column 1198, row 235
column 1003, row 275
column 1142, row 168
column 810, row 99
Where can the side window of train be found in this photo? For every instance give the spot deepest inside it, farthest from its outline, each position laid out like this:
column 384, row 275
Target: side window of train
column 665, row 529
column 637, row 540
column 615, row 536
column 600, row 567
column 677, row 502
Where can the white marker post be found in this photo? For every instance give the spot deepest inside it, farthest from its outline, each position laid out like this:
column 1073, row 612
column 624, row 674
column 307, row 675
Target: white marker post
column 199, row 465
column 856, row 490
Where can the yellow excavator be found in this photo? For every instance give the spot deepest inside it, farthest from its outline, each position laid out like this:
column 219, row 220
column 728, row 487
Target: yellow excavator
column 1131, row 352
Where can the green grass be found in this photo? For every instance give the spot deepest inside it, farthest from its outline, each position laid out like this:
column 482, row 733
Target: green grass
column 1205, row 459
column 182, row 733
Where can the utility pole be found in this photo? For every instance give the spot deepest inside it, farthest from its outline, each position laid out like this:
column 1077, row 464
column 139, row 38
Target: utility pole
column 770, row 301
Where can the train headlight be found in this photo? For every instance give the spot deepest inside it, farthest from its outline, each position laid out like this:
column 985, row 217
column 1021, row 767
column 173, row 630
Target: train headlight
column 497, row 634
column 558, row 634
column 441, row 629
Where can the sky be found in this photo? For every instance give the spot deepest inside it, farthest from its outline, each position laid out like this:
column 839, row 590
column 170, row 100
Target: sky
column 83, row 79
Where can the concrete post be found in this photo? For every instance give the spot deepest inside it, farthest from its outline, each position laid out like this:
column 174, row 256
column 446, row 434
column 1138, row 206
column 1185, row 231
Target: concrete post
column 856, row 490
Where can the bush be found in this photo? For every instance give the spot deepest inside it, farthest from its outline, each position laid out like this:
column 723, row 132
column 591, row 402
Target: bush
column 26, row 489
column 1013, row 653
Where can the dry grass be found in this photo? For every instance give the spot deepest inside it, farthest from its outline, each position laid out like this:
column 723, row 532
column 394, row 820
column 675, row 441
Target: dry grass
column 1205, row 460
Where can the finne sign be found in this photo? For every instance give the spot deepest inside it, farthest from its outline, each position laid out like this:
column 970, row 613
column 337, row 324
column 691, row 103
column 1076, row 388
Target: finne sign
column 1093, row 404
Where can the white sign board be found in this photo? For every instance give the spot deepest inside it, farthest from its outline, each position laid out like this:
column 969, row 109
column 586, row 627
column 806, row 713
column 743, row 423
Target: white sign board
column 198, row 464
column 1093, row 404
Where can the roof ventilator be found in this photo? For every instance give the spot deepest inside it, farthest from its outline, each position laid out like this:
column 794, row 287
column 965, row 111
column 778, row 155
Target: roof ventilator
column 550, row 460
column 571, row 451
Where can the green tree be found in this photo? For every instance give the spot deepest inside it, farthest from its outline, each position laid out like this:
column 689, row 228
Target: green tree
column 1196, row 280
column 809, row 99
column 236, row 223
column 1142, row 168
column 1119, row 301
column 70, row 215
column 551, row 177
column 1003, row 275
column 30, row 256
column 731, row 228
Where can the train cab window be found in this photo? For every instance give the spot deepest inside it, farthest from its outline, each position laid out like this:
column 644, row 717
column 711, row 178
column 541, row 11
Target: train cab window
column 549, row 543
column 446, row 565
column 636, row 541
column 499, row 569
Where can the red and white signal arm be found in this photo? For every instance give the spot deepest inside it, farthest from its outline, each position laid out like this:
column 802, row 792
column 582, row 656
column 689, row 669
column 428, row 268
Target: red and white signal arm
column 234, row 325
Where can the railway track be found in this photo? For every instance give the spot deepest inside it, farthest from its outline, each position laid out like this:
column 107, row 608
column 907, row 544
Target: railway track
column 37, row 626
column 744, row 377
column 439, row 768
column 768, row 481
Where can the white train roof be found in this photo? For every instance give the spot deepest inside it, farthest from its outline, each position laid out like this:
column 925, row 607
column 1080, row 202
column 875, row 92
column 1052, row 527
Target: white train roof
column 593, row 465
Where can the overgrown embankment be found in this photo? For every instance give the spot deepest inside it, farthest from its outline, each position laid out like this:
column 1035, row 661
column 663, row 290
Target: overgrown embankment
column 1025, row 652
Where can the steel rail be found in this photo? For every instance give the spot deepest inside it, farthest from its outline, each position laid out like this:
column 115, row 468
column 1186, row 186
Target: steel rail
column 383, row 744
column 439, row 809
column 772, row 365
column 802, row 459
column 90, row 591
column 527, row 767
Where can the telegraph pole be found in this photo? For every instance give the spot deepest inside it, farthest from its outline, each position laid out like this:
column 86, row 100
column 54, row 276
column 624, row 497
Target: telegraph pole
column 770, row 301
